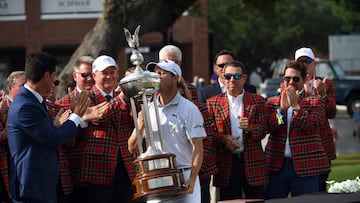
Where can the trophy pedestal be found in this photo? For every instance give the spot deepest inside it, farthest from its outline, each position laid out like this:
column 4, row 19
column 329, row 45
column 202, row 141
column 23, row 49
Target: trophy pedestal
column 157, row 177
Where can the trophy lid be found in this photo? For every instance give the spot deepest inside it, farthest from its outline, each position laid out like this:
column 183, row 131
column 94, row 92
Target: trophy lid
column 136, row 83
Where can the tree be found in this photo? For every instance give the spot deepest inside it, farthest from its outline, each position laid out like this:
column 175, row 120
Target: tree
column 107, row 36
column 259, row 31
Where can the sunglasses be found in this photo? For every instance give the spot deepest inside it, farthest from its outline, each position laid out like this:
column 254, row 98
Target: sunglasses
column 295, row 79
column 56, row 82
column 237, row 76
column 307, row 61
column 221, row 65
column 84, row 75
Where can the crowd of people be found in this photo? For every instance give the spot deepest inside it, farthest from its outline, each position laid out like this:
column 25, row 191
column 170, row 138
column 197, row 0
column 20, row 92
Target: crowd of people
column 80, row 148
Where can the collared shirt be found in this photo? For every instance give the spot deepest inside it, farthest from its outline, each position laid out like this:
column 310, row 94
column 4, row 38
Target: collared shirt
column 180, row 121
column 236, row 110
column 222, row 86
column 9, row 98
column 76, row 119
column 104, row 93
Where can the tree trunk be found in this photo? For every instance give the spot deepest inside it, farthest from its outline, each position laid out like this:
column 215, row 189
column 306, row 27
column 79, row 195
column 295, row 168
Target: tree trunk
column 107, row 36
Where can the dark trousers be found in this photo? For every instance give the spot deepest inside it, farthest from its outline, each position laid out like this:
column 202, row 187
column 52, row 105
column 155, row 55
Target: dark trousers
column 238, row 183
column 120, row 191
column 3, row 192
column 322, row 182
column 285, row 181
column 205, row 189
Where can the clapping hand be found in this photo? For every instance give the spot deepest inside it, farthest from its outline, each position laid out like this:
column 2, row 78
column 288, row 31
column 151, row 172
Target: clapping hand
column 80, row 104
column 95, row 112
column 61, row 117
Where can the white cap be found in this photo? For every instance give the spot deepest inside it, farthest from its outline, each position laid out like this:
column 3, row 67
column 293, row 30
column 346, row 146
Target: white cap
column 201, row 80
column 357, row 105
column 304, row 52
column 102, row 62
column 170, row 66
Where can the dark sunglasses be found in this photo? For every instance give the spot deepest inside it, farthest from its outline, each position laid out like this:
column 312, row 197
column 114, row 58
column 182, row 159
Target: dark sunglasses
column 56, row 82
column 221, row 65
column 237, row 76
column 295, row 79
column 84, row 75
column 308, row 61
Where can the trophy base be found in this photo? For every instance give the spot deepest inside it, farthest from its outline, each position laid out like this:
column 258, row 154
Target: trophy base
column 157, row 177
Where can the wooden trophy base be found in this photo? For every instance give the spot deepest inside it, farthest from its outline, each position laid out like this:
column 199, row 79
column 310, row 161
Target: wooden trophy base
column 157, row 177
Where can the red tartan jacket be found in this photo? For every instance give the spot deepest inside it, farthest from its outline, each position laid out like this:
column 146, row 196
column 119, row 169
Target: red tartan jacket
column 330, row 111
column 4, row 148
column 308, row 154
column 72, row 152
column 106, row 138
column 208, row 166
column 254, row 156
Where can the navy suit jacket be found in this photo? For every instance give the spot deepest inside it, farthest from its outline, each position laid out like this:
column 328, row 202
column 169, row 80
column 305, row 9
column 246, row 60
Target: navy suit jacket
column 214, row 89
column 33, row 143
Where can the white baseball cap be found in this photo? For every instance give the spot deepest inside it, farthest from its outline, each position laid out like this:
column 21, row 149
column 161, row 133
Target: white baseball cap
column 102, row 62
column 304, row 52
column 170, row 66
column 357, row 105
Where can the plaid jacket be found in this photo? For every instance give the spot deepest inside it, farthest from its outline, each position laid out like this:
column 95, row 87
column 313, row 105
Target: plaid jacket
column 308, row 154
column 254, row 156
column 72, row 152
column 105, row 140
column 4, row 148
column 208, row 166
column 330, row 110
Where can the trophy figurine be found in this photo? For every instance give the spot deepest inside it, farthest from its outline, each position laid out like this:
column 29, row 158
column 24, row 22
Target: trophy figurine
column 157, row 176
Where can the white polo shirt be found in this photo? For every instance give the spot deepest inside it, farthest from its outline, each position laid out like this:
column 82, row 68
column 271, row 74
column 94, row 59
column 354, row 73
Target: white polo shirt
column 180, row 121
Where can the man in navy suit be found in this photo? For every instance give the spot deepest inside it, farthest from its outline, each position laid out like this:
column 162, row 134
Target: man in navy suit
column 33, row 138
column 221, row 59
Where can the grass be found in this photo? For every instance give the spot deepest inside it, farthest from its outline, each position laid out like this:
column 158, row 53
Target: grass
column 346, row 166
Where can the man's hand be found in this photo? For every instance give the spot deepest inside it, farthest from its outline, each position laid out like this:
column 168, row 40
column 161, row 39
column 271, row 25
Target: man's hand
column 61, row 117
column 80, row 104
column 230, row 143
column 95, row 112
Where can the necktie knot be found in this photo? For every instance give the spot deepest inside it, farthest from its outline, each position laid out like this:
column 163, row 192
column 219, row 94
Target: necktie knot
column 108, row 98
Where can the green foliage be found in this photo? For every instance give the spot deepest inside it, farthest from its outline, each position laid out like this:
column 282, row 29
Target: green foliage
column 346, row 166
column 268, row 30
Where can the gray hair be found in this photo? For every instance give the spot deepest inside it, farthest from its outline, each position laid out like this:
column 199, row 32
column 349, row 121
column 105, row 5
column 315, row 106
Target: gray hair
column 83, row 59
column 170, row 50
column 14, row 75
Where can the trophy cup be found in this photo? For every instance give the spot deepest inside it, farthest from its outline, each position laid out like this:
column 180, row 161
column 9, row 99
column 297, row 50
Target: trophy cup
column 157, row 176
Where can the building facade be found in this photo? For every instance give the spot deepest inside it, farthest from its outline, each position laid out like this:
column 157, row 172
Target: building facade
column 58, row 27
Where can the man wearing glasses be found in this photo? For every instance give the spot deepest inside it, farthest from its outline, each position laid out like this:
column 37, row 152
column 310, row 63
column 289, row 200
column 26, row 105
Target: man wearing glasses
column 294, row 152
column 70, row 154
column 238, row 128
column 323, row 87
column 221, row 59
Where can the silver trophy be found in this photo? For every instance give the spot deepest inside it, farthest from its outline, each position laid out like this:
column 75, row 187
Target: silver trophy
column 157, row 176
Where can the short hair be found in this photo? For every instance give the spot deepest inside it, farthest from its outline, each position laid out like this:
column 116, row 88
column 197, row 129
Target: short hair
column 170, row 50
column 14, row 75
column 81, row 60
column 236, row 64
column 224, row 52
column 38, row 64
column 297, row 65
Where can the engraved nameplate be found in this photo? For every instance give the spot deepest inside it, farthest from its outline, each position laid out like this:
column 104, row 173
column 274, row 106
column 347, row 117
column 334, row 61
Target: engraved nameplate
column 157, row 164
column 160, row 182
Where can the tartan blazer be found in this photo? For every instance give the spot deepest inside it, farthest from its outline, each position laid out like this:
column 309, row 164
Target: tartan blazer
column 208, row 166
column 330, row 110
column 107, row 139
column 254, row 156
column 308, row 154
column 72, row 152
column 4, row 148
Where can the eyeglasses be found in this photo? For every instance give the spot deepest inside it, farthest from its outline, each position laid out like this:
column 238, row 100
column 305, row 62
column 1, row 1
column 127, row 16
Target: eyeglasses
column 295, row 79
column 237, row 76
column 56, row 82
column 84, row 75
column 221, row 65
column 308, row 61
